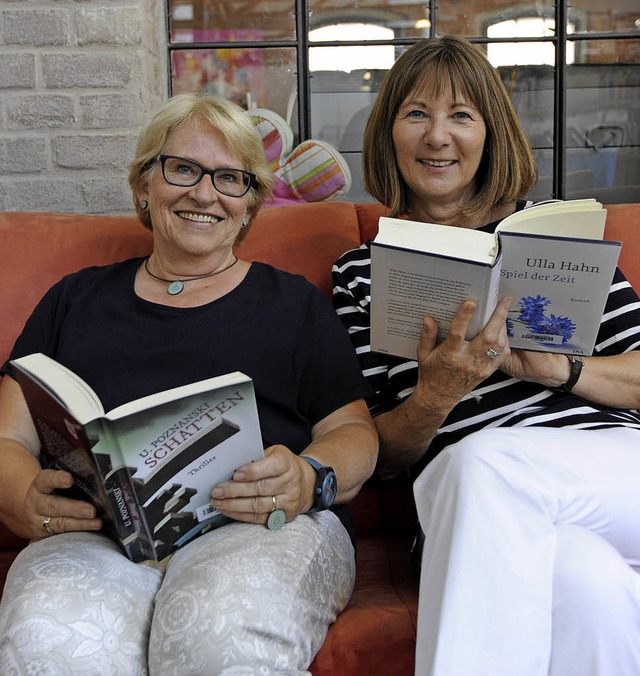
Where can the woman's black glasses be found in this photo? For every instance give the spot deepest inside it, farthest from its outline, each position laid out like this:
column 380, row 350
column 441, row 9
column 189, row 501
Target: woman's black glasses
column 187, row 173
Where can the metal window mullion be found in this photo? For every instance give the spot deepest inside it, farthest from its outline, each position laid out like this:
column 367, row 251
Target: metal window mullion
column 433, row 18
column 560, row 102
column 303, row 75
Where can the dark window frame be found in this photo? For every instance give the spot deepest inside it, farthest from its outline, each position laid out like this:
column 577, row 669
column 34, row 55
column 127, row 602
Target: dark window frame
column 301, row 44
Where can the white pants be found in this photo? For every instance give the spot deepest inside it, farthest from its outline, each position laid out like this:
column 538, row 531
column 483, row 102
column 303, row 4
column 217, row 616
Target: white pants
column 242, row 600
column 531, row 559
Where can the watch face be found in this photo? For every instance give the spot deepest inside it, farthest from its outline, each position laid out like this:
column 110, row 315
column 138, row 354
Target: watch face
column 329, row 489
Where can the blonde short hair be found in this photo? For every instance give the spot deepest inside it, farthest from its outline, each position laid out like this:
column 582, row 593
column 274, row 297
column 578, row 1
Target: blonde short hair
column 507, row 170
column 225, row 117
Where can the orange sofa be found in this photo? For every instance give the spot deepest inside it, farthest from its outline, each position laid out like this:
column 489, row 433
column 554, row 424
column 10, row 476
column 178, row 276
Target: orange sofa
column 376, row 633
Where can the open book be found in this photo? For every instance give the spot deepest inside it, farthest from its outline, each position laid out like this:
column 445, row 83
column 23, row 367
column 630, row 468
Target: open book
column 550, row 257
column 148, row 466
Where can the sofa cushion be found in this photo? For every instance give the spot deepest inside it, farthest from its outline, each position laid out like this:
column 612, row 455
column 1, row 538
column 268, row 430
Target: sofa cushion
column 376, row 632
column 623, row 223
column 45, row 247
column 323, row 232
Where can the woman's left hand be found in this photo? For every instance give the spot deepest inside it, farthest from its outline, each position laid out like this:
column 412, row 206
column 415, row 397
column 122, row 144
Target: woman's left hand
column 544, row 368
column 345, row 440
column 612, row 381
column 256, row 489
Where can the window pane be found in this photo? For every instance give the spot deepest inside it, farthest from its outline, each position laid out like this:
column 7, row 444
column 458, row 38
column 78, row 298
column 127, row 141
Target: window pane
column 201, row 20
column 256, row 77
column 603, row 121
column 543, row 189
column 340, row 105
column 406, row 18
column 351, row 58
column 472, row 18
column 613, row 15
column 530, row 86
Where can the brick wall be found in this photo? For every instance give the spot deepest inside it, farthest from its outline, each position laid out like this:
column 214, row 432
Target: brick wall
column 77, row 79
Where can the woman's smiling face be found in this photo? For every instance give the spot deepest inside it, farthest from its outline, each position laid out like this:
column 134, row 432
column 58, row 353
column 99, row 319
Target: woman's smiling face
column 195, row 220
column 439, row 141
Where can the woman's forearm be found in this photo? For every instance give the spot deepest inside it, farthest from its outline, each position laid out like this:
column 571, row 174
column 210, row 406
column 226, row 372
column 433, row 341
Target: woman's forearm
column 611, row 381
column 18, row 467
column 405, row 434
column 348, row 442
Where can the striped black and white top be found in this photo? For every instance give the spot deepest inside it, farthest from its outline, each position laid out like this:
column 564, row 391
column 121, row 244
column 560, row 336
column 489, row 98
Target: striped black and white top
column 500, row 400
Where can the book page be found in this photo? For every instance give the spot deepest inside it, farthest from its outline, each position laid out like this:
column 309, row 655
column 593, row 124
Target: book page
column 583, row 219
column 158, row 398
column 443, row 240
column 62, row 383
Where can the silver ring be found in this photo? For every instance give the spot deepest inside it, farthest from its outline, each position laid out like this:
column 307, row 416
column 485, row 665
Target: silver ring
column 273, row 498
column 491, row 353
column 45, row 525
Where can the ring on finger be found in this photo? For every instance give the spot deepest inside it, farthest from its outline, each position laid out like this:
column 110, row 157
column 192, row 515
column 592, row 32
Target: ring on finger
column 46, row 526
column 273, row 503
column 491, row 353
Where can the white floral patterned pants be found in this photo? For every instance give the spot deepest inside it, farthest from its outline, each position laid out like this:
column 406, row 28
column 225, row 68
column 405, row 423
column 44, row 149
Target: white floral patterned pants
column 239, row 600
column 531, row 556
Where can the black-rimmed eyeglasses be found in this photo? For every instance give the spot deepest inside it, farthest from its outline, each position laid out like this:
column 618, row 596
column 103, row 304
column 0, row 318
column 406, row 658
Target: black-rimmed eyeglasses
column 187, row 173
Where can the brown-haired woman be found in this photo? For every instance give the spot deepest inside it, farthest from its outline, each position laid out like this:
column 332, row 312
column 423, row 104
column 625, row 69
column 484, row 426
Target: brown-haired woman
column 530, row 501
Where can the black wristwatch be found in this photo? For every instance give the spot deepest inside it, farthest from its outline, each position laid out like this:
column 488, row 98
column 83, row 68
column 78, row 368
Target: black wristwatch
column 576, row 368
column 326, row 487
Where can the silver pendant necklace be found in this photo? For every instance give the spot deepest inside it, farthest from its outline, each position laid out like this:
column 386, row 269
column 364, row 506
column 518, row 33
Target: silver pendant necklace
column 177, row 285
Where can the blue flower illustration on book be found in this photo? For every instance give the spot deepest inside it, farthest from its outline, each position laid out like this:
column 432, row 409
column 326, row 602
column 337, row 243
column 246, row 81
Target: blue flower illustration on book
column 532, row 315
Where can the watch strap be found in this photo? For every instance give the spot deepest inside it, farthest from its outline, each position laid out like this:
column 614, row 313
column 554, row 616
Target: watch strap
column 313, row 462
column 322, row 472
column 576, row 369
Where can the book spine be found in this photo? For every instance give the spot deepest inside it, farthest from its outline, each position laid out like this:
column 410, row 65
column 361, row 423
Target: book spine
column 128, row 523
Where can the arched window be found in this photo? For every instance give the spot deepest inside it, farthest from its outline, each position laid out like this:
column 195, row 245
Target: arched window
column 526, row 53
column 351, row 58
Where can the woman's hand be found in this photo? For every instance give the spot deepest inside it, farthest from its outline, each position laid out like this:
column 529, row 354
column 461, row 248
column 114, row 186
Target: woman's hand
column 611, row 381
column 446, row 373
column 61, row 514
column 280, row 481
column 544, row 368
column 27, row 492
column 450, row 370
column 345, row 440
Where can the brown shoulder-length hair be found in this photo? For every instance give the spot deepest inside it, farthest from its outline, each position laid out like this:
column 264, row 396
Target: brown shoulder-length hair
column 507, row 170
column 221, row 115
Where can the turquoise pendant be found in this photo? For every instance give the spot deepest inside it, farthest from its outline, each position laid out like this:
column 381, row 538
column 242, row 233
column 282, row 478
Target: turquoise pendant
column 175, row 288
column 276, row 519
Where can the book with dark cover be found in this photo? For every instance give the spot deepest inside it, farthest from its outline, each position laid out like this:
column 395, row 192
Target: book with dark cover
column 148, row 466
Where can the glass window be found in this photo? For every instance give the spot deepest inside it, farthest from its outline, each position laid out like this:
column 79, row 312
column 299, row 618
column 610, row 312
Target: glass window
column 525, row 53
column 253, row 77
column 470, row 17
column 263, row 19
column 619, row 16
column 341, row 101
column 603, row 121
column 321, row 71
column 351, row 58
column 404, row 18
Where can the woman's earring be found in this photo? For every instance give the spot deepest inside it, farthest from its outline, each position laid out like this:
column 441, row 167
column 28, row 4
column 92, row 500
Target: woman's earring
column 144, row 204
